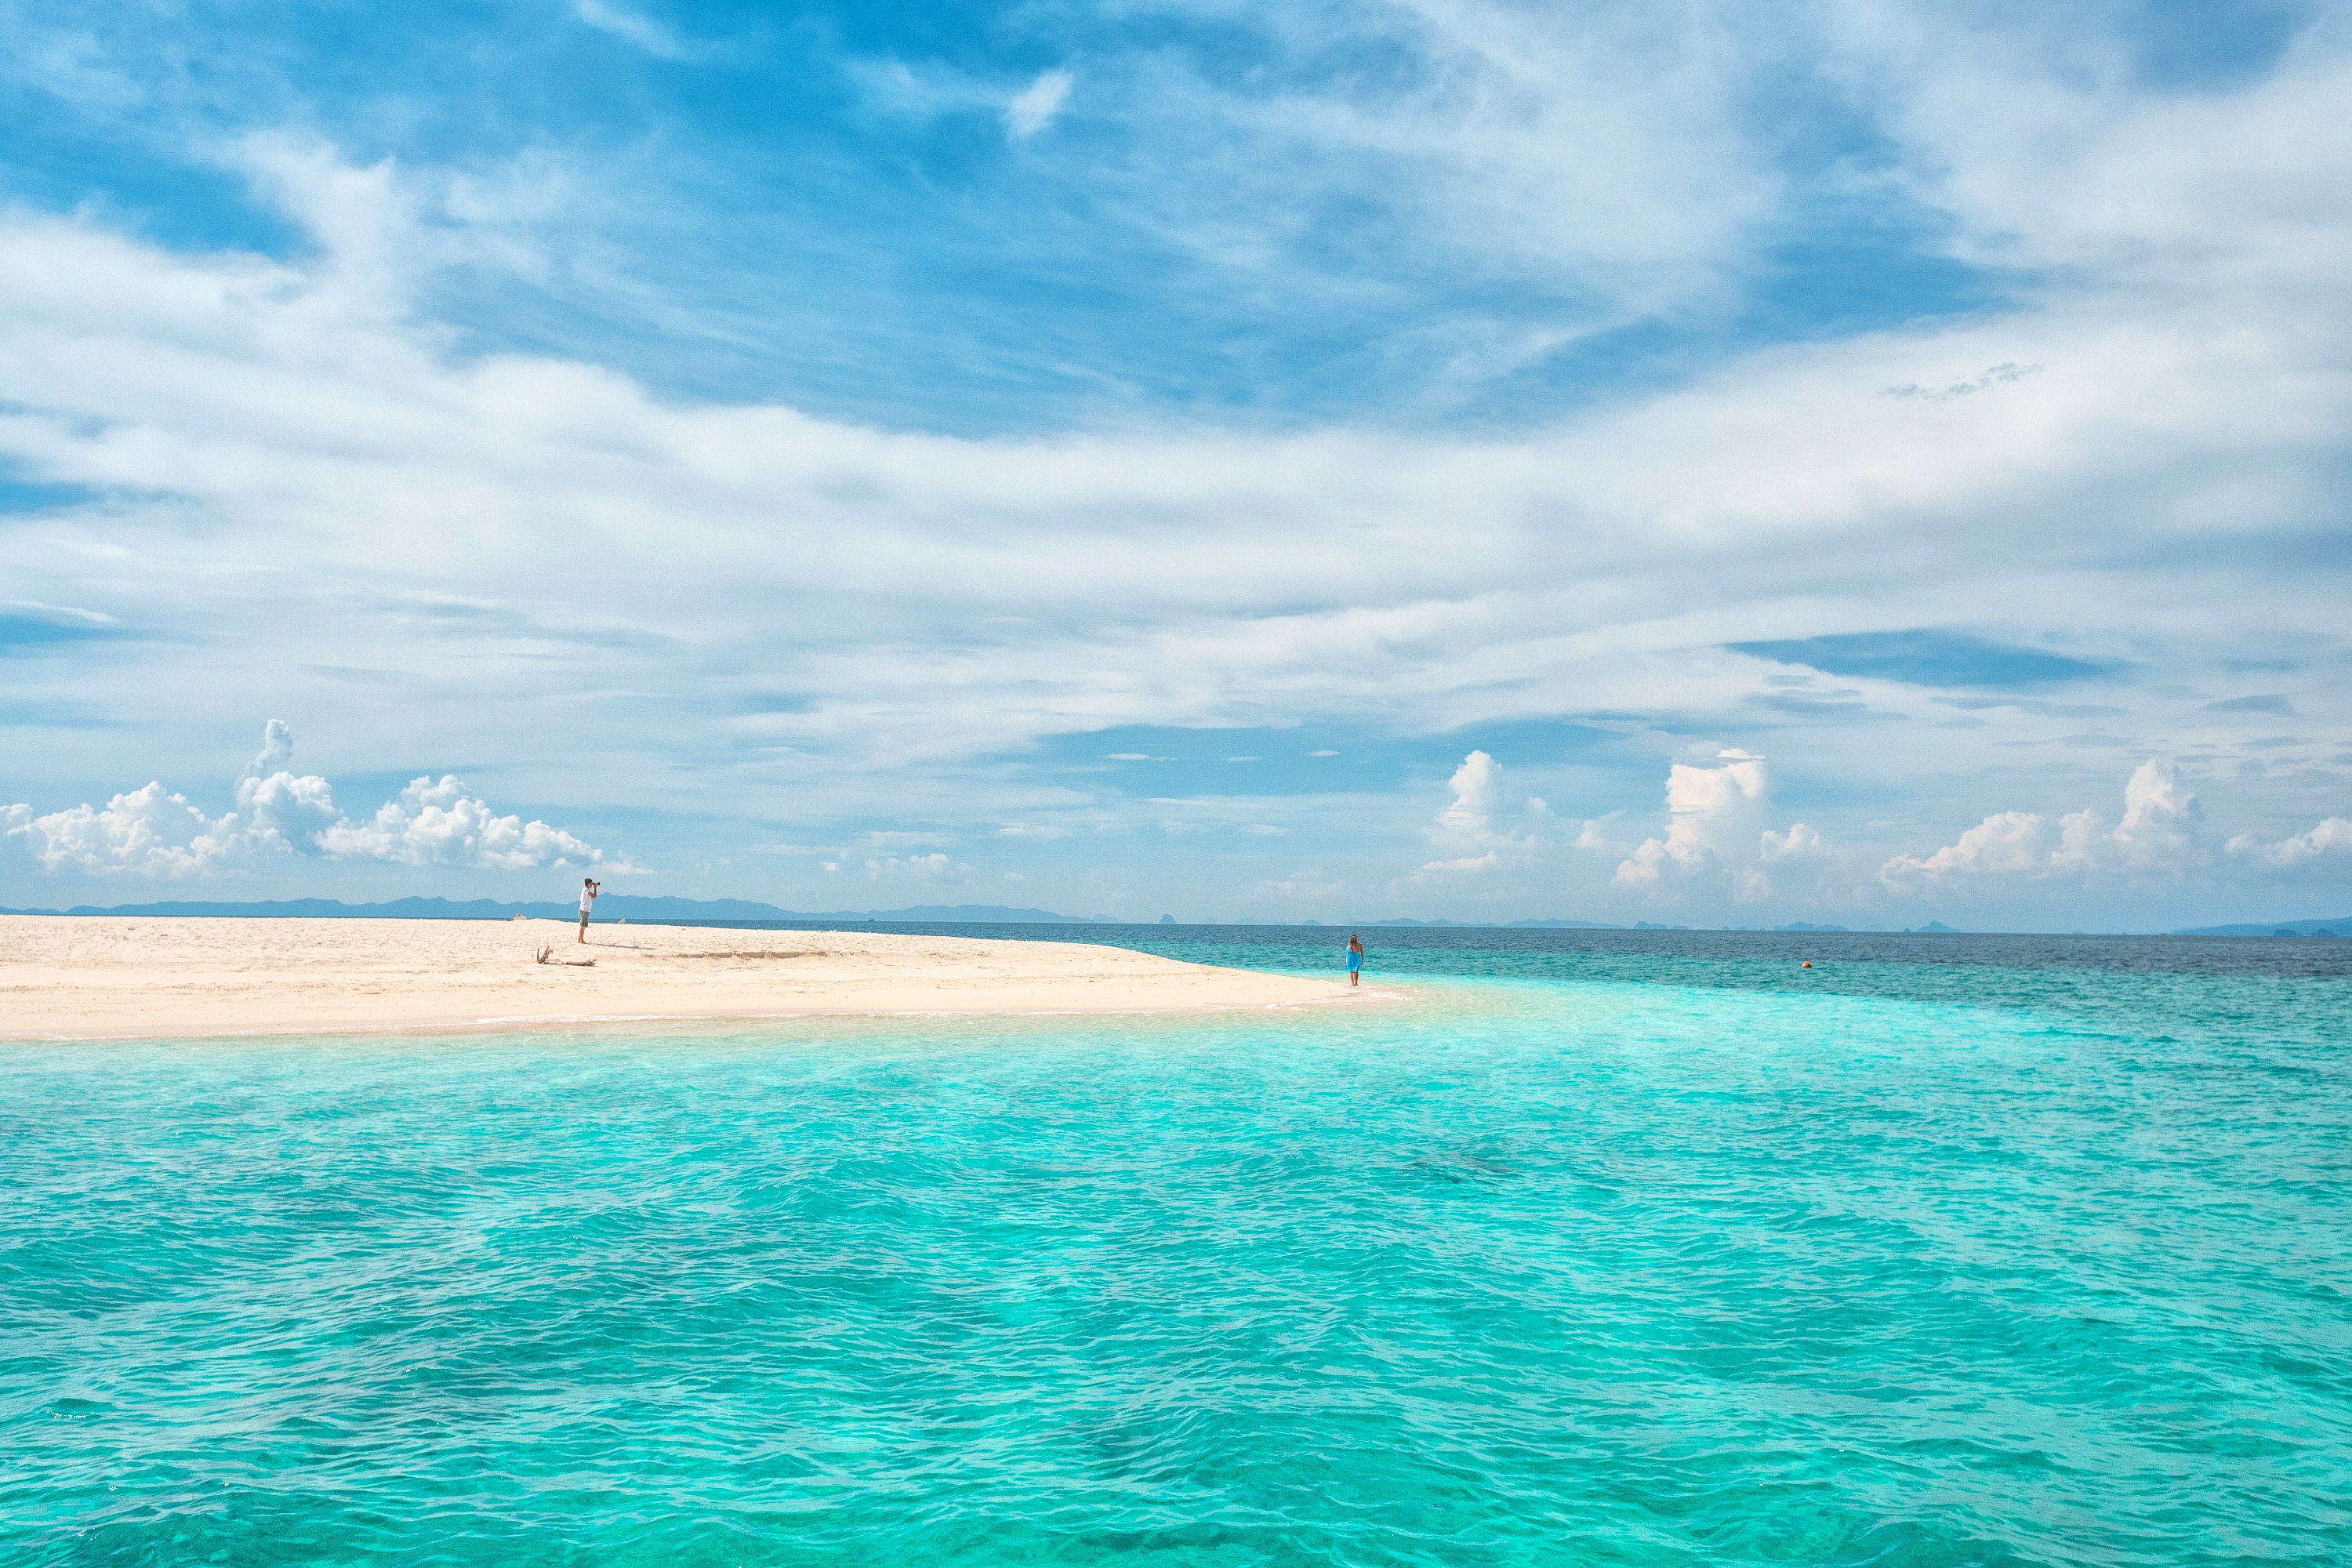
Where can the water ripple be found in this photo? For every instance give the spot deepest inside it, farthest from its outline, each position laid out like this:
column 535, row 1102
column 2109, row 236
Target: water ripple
column 1540, row 1270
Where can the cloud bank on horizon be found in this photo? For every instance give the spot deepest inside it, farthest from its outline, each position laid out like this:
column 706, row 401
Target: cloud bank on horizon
column 1582, row 467
column 151, row 832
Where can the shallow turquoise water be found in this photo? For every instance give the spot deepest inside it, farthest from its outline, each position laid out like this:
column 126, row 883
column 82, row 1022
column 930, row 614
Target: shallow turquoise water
column 1667, row 1256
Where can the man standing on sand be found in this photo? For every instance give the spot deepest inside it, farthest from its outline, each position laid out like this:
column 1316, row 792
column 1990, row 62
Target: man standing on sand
column 589, row 889
column 1355, row 956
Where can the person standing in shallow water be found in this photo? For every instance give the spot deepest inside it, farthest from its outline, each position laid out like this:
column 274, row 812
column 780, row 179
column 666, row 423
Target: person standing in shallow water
column 589, row 889
column 1355, row 956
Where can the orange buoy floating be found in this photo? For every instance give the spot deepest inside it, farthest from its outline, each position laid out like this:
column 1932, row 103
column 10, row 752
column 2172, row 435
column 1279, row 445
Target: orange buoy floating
column 1807, row 964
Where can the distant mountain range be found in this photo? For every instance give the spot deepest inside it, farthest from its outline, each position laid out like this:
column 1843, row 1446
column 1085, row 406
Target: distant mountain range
column 2340, row 926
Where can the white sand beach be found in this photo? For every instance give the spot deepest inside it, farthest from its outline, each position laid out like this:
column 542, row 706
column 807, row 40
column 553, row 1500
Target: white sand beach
column 98, row 977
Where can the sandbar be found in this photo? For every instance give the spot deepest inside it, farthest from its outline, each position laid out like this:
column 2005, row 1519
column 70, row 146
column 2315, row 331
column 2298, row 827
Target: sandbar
column 87, row 977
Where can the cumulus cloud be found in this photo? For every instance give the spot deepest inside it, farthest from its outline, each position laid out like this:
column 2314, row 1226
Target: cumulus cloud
column 1472, row 810
column 155, row 832
column 277, row 749
column 2331, row 836
column 2160, row 832
column 1471, row 825
column 282, row 809
column 1799, row 843
column 1715, row 836
column 1593, row 835
column 148, row 831
column 437, row 823
column 2007, row 841
column 1714, row 815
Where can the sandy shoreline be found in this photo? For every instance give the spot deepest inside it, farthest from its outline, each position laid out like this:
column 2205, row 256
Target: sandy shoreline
column 66, row 977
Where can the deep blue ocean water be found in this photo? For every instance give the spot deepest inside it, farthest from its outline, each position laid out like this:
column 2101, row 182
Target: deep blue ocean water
column 1605, row 1249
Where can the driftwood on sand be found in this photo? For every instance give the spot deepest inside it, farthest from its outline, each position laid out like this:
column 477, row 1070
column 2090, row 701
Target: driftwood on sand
column 546, row 954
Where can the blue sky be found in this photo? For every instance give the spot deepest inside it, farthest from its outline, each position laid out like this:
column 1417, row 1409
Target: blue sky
column 1720, row 464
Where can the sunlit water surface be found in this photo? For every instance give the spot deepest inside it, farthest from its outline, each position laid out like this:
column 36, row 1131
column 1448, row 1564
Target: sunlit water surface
column 1601, row 1249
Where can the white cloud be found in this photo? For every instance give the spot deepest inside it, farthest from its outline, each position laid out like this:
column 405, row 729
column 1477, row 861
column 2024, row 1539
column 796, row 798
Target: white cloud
column 2331, row 836
column 2160, row 833
column 277, row 749
column 1713, row 816
column 2160, row 829
column 2161, row 820
column 292, row 437
column 148, row 831
column 68, row 614
column 1716, row 839
column 69, row 63
column 283, row 810
column 922, row 91
column 1469, row 821
column 1593, row 835
column 154, row 832
column 437, row 823
column 1799, row 843
column 2039, row 143
column 2006, row 842
column 224, row 392
column 1034, row 106
column 630, row 26
column 1486, row 862
column 1471, row 812
column 1603, row 156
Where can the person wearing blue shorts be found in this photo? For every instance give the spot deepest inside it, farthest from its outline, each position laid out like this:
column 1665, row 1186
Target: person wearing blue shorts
column 1355, row 957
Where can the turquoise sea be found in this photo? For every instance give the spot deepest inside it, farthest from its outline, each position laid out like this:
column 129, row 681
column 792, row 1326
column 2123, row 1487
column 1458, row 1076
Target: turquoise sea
column 1606, row 1249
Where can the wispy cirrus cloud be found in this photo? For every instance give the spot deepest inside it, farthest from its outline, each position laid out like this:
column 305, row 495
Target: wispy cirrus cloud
column 631, row 27
column 1035, row 107
column 738, row 616
column 922, row 91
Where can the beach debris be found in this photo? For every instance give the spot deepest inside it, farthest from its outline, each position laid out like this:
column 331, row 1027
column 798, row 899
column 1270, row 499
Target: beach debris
column 546, row 954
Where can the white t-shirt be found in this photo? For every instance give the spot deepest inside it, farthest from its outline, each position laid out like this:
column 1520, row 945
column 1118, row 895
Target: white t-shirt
column 587, row 897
